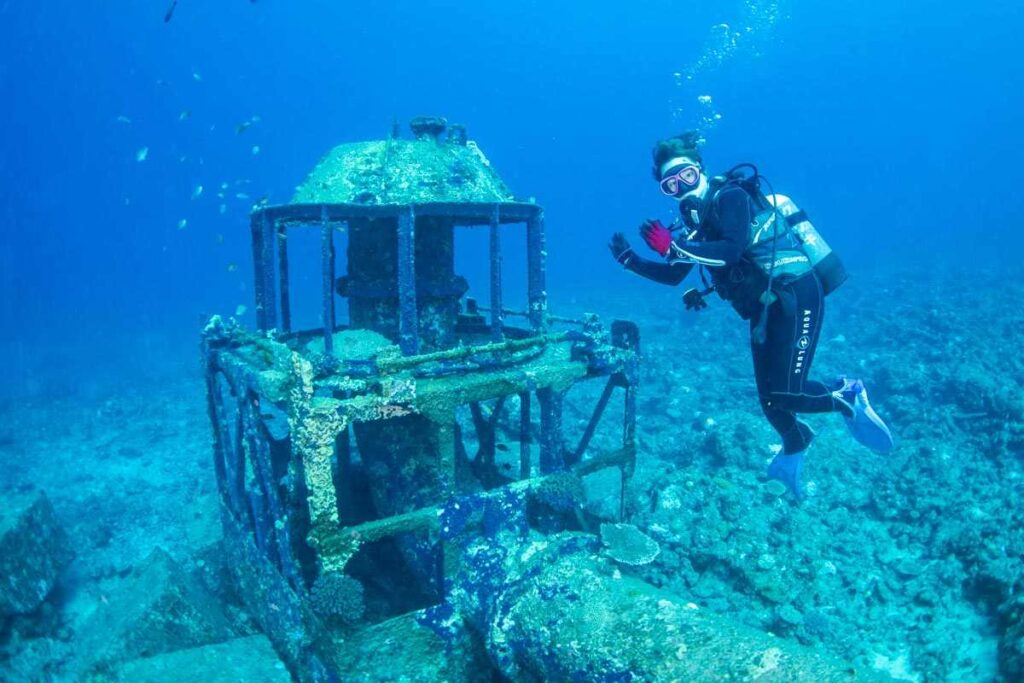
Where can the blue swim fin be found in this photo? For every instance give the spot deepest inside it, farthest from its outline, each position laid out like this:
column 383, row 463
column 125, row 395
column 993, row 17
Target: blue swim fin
column 786, row 468
column 866, row 426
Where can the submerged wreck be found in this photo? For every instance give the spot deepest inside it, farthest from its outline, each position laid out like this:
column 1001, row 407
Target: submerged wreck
column 400, row 498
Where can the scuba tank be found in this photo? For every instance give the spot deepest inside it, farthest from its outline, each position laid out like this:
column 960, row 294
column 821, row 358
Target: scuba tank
column 824, row 261
column 783, row 242
column 783, row 239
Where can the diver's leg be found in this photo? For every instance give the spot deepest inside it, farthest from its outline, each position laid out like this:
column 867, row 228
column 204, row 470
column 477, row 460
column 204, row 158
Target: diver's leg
column 781, row 420
column 796, row 436
column 796, row 339
column 792, row 391
column 774, row 363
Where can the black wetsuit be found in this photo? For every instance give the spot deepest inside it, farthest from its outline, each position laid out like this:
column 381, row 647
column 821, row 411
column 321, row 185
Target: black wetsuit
column 783, row 361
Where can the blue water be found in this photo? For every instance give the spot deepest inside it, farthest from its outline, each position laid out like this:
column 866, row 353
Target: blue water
column 896, row 125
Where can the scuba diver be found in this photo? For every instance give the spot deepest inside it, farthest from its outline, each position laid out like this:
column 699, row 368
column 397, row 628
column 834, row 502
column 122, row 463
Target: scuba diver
column 766, row 259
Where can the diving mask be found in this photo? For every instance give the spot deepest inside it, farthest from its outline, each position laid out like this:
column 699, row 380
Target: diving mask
column 681, row 180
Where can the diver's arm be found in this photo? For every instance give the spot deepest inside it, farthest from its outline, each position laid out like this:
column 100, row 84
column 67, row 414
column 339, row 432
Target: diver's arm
column 658, row 271
column 734, row 226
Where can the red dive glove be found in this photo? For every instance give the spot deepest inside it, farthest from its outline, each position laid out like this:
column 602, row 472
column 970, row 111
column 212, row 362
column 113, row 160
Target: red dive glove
column 657, row 236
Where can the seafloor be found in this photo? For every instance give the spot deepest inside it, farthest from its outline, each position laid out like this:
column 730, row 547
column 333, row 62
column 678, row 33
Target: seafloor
column 910, row 563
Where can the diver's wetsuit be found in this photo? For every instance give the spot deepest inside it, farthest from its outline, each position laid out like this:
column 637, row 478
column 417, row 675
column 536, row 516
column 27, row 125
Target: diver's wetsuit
column 783, row 361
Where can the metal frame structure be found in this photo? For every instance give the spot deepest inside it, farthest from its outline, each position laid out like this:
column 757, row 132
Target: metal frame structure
column 270, row 246
column 283, row 421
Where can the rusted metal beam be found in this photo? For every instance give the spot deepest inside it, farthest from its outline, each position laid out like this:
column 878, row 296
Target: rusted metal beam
column 588, row 433
column 525, row 435
column 327, row 279
column 408, row 333
column 468, row 213
column 495, row 254
column 282, row 274
column 536, row 257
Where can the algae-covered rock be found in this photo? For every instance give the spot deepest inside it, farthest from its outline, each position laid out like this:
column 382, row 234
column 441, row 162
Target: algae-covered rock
column 626, row 544
column 34, row 549
column 163, row 609
column 414, row 647
column 562, row 612
column 775, row 488
column 338, row 597
column 352, row 344
column 242, row 660
column 395, row 171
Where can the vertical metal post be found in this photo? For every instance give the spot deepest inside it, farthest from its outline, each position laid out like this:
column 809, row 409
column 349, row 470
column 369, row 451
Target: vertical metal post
column 263, row 267
column 223, row 445
column 343, row 476
column 629, row 421
column 536, row 257
column 282, row 271
column 552, row 452
column 408, row 334
column 525, row 436
column 628, row 444
column 496, row 298
column 334, row 275
column 625, row 335
column 256, row 229
column 327, row 278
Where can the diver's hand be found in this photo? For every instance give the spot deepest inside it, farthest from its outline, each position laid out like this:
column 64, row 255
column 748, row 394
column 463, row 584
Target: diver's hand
column 657, row 236
column 694, row 300
column 620, row 249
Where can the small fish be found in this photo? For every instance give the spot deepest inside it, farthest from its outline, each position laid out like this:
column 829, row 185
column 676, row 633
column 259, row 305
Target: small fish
column 263, row 201
column 123, row 119
column 242, row 127
column 186, row 114
column 240, row 310
column 170, row 11
column 142, row 154
column 162, row 83
column 241, row 195
column 232, row 267
column 182, row 159
column 223, row 210
column 197, row 77
column 220, row 238
column 223, row 186
column 255, row 150
column 182, row 224
column 198, row 192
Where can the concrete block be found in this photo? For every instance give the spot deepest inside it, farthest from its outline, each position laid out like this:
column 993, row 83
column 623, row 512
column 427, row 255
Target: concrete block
column 34, row 549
